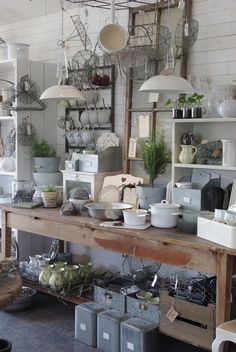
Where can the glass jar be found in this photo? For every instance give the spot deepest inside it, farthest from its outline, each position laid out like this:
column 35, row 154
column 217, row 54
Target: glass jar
column 22, row 191
column 54, row 250
column 56, row 280
column 45, row 274
column 71, row 274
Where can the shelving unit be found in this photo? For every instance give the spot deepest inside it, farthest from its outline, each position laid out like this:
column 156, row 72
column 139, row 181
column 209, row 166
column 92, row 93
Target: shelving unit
column 137, row 102
column 204, row 128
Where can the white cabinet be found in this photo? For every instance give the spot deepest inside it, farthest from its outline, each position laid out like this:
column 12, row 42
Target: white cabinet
column 211, row 129
column 44, row 121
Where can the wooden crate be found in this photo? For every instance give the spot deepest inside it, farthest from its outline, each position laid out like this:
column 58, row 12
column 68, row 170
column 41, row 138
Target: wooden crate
column 194, row 324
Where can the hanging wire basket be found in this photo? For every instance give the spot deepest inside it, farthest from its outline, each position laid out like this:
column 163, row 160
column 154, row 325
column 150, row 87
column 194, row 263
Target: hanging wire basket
column 186, row 33
column 85, row 62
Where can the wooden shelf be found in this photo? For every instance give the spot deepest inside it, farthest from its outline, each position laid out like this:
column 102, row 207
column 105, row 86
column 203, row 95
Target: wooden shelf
column 7, row 173
column 205, row 166
column 205, row 120
column 69, row 298
column 6, row 118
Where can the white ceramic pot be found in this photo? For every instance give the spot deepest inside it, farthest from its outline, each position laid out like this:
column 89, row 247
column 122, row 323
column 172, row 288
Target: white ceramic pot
column 18, row 51
column 135, row 217
column 164, row 214
column 113, row 38
column 227, row 108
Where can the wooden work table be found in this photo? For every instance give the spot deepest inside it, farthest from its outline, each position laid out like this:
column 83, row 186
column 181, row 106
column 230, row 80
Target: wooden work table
column 169, row 246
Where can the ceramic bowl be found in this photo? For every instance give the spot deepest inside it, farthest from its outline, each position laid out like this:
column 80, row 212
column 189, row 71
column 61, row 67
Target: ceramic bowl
column 144, row 295
column 184, row 184
column 93, row 117
column 113, row 38
column 153, row 300
column 84, row 118
column 227, row 108
column 135, row 217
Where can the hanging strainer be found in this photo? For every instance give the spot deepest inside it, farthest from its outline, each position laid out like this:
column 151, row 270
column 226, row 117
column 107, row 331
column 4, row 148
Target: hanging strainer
column 26, row 90
column 26, row 132
column 85, row 62
column 186, row 33
column 161, row 41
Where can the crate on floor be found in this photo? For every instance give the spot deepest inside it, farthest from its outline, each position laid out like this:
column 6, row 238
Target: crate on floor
column 86, row 322
column 138, row 335
column 108, row 330
column 194, row 323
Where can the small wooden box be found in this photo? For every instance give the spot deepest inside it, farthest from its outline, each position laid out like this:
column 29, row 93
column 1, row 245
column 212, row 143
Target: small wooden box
column 194, row 324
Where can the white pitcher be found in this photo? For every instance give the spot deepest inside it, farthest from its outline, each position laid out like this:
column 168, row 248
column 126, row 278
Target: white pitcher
column 187, row 154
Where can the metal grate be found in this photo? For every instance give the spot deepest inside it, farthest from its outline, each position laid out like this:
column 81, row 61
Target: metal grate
column 120, row 4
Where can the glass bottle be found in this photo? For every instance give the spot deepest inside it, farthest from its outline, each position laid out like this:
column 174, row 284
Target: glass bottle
column 54, row 250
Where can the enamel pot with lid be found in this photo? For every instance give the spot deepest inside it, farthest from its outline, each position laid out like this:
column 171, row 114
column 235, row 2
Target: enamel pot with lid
column 164, row 214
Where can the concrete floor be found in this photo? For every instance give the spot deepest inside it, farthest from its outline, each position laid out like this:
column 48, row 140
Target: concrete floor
column 49, row 326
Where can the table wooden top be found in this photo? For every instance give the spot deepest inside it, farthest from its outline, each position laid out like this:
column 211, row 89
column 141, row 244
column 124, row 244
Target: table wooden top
column 156, row 235
column 10, row 288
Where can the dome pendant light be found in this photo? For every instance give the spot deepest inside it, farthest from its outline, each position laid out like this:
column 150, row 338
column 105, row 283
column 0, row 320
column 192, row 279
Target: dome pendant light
column 62, row 91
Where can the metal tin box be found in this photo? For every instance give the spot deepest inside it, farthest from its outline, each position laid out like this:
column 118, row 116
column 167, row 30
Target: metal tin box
column 142, row 309
column 195, row 199
column 86, row 322
column 105, row 161
column 110, row 297
column 72, row 165
column 108, row 330
column 138, row 335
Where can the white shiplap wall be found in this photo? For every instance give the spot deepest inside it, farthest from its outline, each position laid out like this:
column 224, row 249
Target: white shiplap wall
column 214, row 55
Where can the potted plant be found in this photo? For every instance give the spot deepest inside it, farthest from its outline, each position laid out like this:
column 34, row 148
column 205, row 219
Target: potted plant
column 155, row 157
column 44, row 154
column 195, row 100
column 49, row 195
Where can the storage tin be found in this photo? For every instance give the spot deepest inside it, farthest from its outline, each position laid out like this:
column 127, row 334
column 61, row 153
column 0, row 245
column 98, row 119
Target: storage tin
column 86, row 322
column 138, row 335
column 142, row 309
column 108, row 330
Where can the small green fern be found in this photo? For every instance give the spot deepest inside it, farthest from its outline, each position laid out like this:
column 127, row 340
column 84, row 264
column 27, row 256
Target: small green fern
column 41, row 148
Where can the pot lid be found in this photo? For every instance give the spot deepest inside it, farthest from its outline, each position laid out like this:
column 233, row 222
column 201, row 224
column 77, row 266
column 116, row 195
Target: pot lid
column 165, row 205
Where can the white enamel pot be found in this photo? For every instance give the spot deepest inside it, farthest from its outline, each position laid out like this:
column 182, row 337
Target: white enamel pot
column 135, row 217
column 164, row 214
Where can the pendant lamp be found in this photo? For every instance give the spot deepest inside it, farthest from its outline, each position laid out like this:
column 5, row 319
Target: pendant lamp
column 166, row 81
column 62, row 91
column 166, row 84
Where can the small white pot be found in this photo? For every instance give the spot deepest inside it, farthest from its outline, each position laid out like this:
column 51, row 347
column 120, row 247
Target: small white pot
column 164, row 214
column 135, row 217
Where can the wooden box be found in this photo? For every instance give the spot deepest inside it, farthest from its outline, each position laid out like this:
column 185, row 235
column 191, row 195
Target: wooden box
column 194, row 324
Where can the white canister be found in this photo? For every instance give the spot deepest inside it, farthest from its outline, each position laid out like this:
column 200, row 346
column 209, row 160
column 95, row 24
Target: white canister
column 135, row 217
column 18, row 51
column 228, row 152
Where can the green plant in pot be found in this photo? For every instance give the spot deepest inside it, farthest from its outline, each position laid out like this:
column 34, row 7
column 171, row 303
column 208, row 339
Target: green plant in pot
column 50, row 196
column 44, row 154
column 155, row 158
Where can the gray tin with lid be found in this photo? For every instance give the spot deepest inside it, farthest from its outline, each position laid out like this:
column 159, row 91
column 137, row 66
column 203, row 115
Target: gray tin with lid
column 138, row 335
column 108, row 330
column 86, row 322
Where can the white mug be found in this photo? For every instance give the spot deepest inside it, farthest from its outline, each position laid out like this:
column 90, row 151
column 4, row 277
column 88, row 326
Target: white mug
column 219, row 215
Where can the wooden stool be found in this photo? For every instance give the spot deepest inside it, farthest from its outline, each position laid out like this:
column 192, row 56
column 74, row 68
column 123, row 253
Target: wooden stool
column 224, row 332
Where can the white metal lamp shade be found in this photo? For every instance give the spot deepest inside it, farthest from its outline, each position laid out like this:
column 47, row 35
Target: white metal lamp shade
column 59, row 92
column 165, row 83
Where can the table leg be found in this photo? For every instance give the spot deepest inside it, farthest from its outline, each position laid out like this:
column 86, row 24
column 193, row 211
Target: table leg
column 224, row 272
column 6, row 236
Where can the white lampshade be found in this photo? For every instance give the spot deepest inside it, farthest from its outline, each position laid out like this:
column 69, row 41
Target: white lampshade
column 168, row 84
column 62, row 92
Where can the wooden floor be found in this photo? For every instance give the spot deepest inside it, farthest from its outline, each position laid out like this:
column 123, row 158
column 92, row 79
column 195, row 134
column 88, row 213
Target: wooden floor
column 49, row 326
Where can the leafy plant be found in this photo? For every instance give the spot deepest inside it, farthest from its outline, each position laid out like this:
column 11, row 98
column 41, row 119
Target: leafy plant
column 195, row 98
column 49, row 188
column 41, row 148
column 155, row 155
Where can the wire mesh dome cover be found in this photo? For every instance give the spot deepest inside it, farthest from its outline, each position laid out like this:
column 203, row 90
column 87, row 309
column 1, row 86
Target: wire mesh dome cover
column 85, row 62
column 186, row 33
column 26, row 132
column 27, row 90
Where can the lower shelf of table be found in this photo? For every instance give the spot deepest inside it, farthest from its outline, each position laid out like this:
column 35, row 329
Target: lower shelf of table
column 69, row 298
